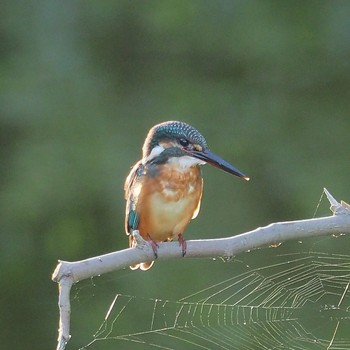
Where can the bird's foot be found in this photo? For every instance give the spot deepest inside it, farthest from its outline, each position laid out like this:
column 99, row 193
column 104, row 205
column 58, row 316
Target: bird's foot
column 182, row 244
column 140, row 242
column 154, row 246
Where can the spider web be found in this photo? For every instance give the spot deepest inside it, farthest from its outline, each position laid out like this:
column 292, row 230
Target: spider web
column 293, row 297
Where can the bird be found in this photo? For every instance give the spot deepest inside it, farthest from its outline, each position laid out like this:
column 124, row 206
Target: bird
column 163, row 190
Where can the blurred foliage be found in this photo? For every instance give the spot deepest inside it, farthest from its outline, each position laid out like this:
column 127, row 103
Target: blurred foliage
column 81, row 83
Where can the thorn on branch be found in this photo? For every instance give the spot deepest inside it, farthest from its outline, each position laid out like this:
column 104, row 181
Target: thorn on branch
column 336, row 207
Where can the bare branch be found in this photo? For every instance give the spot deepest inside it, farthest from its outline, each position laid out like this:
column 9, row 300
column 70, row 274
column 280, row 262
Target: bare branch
column 67, row 273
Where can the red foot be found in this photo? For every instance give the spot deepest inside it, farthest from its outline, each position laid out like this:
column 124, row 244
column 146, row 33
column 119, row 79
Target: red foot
column 182, row 244
column 154, row 246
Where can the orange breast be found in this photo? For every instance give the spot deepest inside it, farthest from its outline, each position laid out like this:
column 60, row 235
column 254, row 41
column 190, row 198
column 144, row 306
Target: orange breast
column 168, row 201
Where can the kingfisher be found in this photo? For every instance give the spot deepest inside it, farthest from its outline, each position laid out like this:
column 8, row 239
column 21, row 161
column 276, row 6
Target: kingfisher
column 164, row 189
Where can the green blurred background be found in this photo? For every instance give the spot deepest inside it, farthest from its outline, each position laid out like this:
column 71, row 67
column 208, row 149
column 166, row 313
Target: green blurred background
column 267, row 83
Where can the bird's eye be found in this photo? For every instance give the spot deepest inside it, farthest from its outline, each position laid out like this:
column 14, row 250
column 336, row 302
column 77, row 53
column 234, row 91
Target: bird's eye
column 184, row 142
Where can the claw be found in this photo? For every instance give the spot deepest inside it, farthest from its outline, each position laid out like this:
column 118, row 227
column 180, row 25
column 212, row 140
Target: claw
column 182, row 244
column 154, row 246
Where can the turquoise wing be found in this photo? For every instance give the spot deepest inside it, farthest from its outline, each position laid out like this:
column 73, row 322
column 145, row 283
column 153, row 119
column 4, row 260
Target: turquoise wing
column 132, row 191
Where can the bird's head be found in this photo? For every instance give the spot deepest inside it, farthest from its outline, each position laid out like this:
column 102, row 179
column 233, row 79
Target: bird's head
column 180, row 142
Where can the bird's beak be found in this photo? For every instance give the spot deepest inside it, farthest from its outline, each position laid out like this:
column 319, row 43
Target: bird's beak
column 216, row 161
